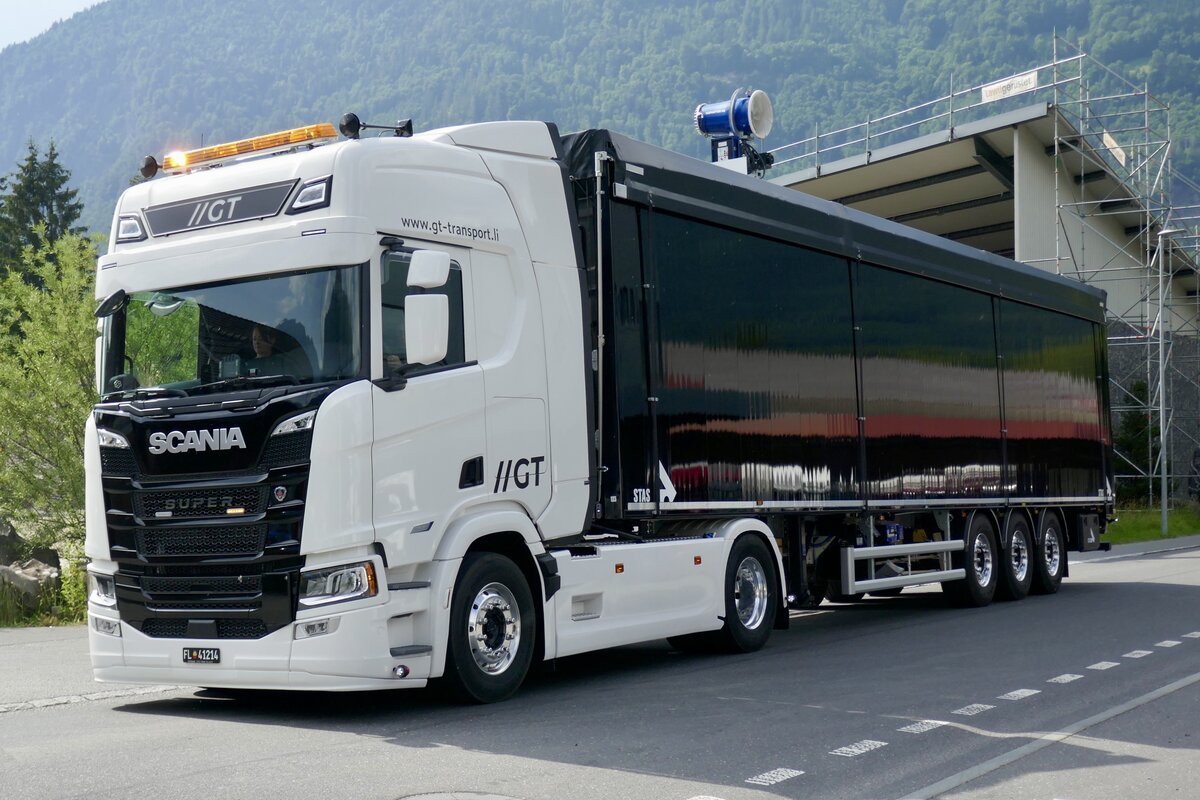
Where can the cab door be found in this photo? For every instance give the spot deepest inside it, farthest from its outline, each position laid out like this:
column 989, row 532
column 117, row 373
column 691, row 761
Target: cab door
column 427, row 457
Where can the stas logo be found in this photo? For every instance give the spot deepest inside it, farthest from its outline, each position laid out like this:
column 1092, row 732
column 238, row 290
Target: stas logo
column 183, row 442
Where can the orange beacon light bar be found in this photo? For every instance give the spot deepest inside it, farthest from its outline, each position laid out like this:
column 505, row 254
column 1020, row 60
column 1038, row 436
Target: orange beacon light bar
column 181, row 161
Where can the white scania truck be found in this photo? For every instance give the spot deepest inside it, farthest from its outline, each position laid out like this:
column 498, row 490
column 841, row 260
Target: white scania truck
column 396, row 408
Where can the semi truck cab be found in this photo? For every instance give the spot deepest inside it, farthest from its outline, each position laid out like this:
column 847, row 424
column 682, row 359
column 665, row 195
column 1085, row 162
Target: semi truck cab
column 329, row 373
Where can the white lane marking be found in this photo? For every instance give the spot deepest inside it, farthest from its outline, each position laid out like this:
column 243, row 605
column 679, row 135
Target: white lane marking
column 1192, row 635
column 1065, row 678
column 922, row 726
column 705, row 797
column 1019, row 694
column 1167, row 643
column 67, row 699
column 972, row 710
column 1138, row 654
column 1045, row 740
column 1105, row 665
column 774, row 776
column 858, row 748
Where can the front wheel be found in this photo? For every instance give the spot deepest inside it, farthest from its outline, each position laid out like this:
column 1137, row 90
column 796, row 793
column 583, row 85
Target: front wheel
column 491, row 630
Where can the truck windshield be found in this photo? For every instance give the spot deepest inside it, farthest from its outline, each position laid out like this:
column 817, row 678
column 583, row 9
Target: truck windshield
column 294, row 328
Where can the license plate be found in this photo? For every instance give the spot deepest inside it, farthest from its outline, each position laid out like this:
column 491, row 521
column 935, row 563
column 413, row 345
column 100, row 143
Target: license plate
column 202, row 655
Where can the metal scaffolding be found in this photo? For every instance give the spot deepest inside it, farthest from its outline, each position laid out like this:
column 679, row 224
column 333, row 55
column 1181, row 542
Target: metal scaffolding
column 1115, row 228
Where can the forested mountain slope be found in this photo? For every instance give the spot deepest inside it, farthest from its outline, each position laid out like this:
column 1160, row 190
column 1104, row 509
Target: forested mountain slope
column 131, row 77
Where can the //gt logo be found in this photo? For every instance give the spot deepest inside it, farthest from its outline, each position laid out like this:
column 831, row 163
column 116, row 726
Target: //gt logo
column 522, row 472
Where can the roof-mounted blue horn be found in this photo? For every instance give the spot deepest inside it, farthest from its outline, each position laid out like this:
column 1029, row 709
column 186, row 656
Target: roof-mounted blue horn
column 744, row 114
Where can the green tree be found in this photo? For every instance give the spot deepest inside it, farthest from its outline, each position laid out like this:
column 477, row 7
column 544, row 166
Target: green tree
column 38, row 208
column 47, row 387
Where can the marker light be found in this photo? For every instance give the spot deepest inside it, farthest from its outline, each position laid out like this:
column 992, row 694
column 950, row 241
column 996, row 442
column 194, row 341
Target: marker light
column 312, row 195
column 311, row 134
column 129, row 229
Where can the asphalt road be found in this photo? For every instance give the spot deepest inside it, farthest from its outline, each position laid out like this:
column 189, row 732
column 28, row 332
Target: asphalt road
column 1086, row 695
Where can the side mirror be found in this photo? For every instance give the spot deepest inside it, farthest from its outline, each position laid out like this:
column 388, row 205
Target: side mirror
column 426, row 326
column 111, row 304
column 429, row 269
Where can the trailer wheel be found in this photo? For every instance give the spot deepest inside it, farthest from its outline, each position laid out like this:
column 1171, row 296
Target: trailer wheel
column 751, row 595
column 980, row 559
column 1016, row 563
column 1049, row 555
column 492, row 630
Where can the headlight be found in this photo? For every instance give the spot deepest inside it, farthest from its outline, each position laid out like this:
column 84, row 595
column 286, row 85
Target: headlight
column 110, row 439
column 102, row 589
column 300, row 422
column 337, row 584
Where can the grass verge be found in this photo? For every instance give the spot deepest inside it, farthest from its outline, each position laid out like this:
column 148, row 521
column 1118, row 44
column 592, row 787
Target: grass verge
column 1144, row 524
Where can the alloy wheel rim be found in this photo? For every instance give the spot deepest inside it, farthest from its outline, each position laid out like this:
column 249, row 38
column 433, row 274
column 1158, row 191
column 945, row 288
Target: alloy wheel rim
column 983, row 559
column 1050, row 550
column 1020, row 557
column 494, row 628
column 750, row 592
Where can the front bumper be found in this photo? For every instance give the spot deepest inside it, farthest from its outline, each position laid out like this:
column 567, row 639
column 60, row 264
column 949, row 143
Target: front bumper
column 355, row 656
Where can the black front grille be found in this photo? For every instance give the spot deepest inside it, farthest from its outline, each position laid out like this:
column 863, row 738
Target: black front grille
column 226, row 628
column 227, row 540
column 200, row 502
column 117, row 462
column 210, row 604
column 165, row 628
column 287, row 450
column 241, row 629
column 189, row 569
column 209, row 585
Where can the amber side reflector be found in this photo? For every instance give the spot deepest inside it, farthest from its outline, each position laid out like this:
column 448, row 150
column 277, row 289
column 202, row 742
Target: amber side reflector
column 697, row 561
column 620, row 568
column 309, row 133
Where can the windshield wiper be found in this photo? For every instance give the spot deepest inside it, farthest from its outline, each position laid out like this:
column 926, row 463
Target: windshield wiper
column 145, row 393
column 246, row 382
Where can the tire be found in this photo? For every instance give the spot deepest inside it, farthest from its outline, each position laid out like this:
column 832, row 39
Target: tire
column 1016, row 562
column 979, row 558
column 751, row 596
column 834, row 596
column 492, row 608
column 1049, row 555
